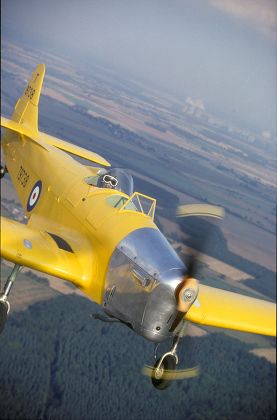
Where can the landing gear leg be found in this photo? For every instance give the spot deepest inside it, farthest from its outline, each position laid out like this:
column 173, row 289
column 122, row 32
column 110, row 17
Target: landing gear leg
column 164, row 369
column 4, row 303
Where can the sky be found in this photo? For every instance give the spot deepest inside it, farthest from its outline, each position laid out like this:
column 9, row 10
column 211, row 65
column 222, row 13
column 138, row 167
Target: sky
column 221, row 52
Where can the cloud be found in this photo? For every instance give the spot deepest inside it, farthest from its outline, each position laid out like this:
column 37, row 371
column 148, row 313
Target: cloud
column 260, row 13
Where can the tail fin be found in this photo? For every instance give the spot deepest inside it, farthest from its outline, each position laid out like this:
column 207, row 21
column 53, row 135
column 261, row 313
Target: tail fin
column 26, row 109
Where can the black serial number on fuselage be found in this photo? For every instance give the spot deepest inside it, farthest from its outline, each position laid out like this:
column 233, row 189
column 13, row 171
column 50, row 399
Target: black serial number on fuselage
column 29, row 92
column 22, row 177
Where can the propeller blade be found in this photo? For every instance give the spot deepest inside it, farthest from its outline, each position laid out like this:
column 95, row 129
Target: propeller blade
column 200, row 235
column 200, row 210
column 173, row 374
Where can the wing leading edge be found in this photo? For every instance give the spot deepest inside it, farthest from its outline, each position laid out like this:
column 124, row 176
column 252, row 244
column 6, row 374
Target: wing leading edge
column 220, row 308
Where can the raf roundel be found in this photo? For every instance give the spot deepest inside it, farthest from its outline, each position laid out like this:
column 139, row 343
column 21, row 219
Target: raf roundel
column 34, row 196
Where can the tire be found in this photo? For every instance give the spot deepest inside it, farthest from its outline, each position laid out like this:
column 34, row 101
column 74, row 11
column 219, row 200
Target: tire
column 159, row 382
column 3, row 315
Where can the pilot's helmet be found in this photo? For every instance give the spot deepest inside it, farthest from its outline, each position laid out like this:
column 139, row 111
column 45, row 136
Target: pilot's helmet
column 107, row 181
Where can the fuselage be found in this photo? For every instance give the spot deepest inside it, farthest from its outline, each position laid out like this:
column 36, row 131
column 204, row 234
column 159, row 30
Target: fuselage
column 133, row 271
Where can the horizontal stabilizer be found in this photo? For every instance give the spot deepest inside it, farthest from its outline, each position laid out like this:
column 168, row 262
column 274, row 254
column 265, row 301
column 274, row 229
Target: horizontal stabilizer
column 220, row 308
column 21, row 129
column 46, row 139
column 15, row 126
column 72, row 148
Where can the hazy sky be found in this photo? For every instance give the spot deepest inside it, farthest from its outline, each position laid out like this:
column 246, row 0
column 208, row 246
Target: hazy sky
column 221, row 51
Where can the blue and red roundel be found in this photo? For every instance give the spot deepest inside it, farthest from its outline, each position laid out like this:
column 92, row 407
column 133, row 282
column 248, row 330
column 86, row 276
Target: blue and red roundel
column 34, row 195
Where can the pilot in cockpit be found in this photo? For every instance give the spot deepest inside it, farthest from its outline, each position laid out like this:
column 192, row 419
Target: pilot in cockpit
column 117, row 179
column 107, row 181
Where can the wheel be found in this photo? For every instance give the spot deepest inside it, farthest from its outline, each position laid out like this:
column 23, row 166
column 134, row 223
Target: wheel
column 158, row 376
column 3, row 314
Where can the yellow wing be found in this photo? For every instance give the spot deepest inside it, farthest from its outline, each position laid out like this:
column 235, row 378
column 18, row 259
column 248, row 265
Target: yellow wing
column 70, row 259
column 220, row 308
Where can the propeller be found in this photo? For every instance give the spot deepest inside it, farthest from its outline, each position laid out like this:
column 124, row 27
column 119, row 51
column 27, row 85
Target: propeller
column 187, row 291
column 164, row 371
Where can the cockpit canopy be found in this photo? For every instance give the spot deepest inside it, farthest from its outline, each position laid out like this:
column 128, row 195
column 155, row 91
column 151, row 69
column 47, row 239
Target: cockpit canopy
column 114, row 178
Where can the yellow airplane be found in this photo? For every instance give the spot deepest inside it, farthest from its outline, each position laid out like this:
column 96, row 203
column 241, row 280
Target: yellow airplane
column 85, row 224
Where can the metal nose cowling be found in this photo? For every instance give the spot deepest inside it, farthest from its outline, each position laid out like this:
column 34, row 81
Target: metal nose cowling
column 173, row 295
column 159, row 313
column 142, row 278
column 163, row 305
